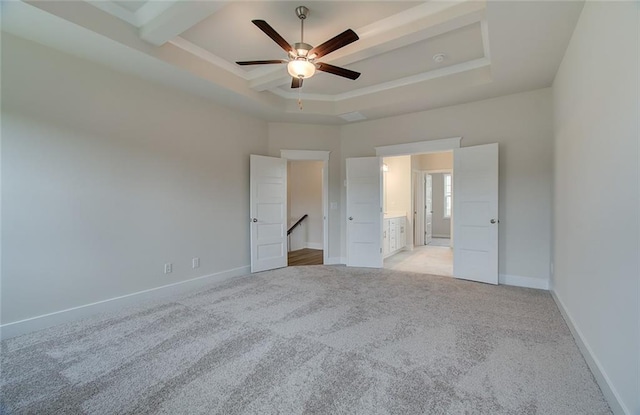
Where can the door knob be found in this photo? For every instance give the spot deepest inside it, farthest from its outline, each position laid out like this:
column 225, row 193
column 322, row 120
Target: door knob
column 350, row 217
column 494, row 221
column 255, row 219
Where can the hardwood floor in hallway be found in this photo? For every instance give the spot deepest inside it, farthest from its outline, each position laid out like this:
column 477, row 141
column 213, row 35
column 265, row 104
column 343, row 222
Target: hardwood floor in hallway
column 306, row 257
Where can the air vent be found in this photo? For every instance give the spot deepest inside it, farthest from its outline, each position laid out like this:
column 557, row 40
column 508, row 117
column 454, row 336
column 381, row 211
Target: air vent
column 352, row 116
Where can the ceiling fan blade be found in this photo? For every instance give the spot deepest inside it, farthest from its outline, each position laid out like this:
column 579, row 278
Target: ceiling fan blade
column 270, row 31
column 336, row 70
column 335, row 43
column 296, row 82
column 261, row 62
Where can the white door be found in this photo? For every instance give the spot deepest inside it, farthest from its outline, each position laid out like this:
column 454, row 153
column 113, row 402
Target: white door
column 428, row 208
column 475, row 207
column 268, row 199
column 364, row 212
column 418, row 206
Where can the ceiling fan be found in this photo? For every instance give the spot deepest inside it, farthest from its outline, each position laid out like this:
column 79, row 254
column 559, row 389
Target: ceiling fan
column 302, row 56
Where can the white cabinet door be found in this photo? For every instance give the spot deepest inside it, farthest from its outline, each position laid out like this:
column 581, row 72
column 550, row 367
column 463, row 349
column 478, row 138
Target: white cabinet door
column 364, row 212
column 268, row 207
column 393, row 234
column 402, row 234
column 475, row 208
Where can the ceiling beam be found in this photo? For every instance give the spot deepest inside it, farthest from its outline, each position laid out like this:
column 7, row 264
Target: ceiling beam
column 176, row 19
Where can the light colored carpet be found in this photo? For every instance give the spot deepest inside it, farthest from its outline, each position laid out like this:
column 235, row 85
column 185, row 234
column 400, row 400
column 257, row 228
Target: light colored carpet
column 426, row 259
column 317, row 340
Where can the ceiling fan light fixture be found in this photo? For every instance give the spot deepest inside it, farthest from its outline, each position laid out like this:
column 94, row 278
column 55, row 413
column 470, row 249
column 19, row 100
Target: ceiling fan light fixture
column 301, row 62
column 301, row 68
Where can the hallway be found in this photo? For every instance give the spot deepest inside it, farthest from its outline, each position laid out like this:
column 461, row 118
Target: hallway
column 305, row 257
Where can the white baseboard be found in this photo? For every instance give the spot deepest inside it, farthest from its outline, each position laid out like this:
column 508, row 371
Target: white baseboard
column 520, row 281
column 29, row 325
column 314, row 245
column 609, row 392
column 333, row 261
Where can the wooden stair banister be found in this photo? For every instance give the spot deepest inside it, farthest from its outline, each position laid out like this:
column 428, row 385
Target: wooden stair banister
column 296, row 224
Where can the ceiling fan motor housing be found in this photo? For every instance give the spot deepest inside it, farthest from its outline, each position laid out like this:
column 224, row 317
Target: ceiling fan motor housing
column 302, row 12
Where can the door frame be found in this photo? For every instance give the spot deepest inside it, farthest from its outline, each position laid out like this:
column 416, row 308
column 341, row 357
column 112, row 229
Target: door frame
column 417, row 199
column 419, row 225
column 316, row 155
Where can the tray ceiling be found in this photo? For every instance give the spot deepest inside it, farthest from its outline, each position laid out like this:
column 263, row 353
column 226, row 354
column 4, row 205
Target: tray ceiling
column 489, row 49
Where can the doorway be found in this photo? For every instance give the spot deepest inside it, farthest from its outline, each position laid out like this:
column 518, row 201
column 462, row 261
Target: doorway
column 433, row 207
column 305, row 216
column 307, row 206
column 475, row 204
column 421, row 186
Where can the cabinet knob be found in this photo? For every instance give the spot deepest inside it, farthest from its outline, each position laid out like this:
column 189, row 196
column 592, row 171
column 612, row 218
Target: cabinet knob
column 254, row 220
column 350, row 217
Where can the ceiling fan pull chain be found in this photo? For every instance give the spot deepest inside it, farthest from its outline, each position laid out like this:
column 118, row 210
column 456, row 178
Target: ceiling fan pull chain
column 299, row 99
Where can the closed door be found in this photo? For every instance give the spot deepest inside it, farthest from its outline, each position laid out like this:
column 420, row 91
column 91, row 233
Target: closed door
column 268, row 207
column 364, row 212
column 428, row 208
column 475, row 207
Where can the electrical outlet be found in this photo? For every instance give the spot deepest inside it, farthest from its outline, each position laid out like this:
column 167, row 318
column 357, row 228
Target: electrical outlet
column 195, row 263
column 168, row 268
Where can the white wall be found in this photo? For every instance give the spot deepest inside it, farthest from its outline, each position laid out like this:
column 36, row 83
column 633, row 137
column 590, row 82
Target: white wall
column 522, row 125
column 432, row 161
column 398, row 184
column 397, row 191
column 285, row 136
column 106, row 177
column 596, row 206
column 305, row 197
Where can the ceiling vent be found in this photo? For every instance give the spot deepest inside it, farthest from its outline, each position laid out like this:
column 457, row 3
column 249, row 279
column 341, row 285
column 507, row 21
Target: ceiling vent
column 352, row 116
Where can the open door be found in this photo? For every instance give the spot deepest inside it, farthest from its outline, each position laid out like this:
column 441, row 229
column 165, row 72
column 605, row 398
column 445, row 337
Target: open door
column 364, row 212
column 268, row 200
column 428, row 208
column 475, row 207
column 418, row 206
